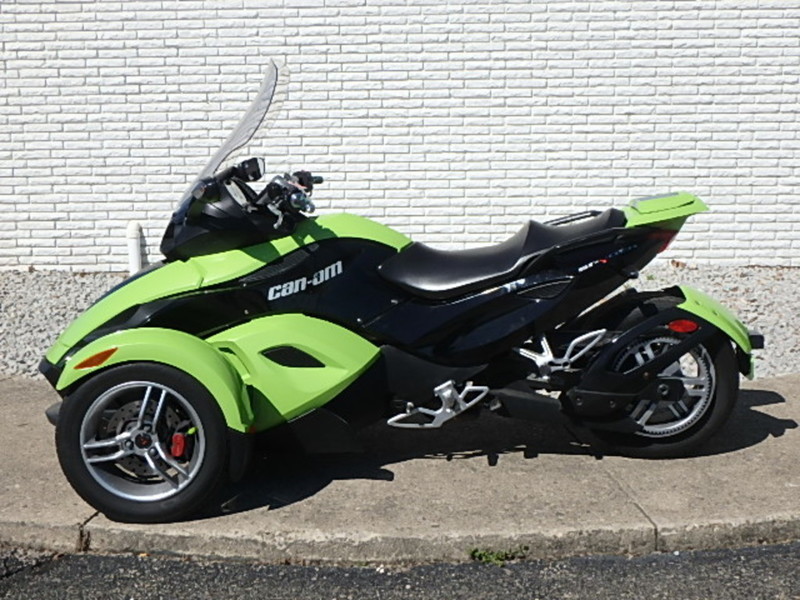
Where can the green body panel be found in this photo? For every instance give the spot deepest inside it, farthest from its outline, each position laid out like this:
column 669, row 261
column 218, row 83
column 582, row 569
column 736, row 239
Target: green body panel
column 185, row 276
column 172, row 278
column 283, row 393
column 705, row 307
column 669, row 211
column 176, row 349
column 345, row 225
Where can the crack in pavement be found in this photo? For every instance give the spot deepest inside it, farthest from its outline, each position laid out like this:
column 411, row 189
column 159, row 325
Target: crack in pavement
column 625, row 489
column 83, row 543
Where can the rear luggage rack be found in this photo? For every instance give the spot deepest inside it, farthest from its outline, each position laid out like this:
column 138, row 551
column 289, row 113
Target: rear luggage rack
column 571, row 218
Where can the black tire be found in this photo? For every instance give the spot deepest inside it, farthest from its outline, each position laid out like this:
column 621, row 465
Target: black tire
column 688, row 432
column 162, row 477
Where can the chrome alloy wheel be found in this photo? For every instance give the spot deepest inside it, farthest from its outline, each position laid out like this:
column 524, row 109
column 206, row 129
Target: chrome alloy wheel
column 142, row 441
column 695, row 370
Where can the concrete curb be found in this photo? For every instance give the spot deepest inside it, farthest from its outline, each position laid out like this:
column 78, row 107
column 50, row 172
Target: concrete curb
column 306, row 548
column 729, row 534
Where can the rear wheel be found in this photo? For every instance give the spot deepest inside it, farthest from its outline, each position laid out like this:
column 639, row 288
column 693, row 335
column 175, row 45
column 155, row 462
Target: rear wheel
column 677, row 424
column 142, row 442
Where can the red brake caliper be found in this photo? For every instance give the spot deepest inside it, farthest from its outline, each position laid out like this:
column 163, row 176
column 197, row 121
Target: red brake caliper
column 178, row 445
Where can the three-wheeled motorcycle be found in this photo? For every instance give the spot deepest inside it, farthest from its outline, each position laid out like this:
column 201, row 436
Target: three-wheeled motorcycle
column 263, row 320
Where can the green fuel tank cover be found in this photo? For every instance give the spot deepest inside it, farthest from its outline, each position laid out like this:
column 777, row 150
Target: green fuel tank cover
column 202, row 271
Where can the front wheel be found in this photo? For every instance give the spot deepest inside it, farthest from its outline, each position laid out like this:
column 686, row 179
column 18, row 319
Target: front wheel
column 142, row 442
column 678, row 426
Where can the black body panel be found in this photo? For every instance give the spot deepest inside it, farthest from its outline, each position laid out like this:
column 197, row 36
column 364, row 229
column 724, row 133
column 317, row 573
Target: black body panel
column 217, row 222
column 441, row 275
column 349, row 292
column 50, row 371
column 411, row 378
column 557, row 285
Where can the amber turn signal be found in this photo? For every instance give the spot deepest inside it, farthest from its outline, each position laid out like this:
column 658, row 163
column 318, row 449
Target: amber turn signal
column 96, row 359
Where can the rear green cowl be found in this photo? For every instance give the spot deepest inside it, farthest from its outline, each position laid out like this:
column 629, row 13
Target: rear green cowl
column 669, row 211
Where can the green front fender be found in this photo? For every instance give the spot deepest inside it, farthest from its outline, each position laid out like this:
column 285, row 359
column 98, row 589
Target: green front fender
column 176, row 349
column 705, row 307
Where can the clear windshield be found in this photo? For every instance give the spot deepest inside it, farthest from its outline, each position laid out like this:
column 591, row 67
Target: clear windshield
column 249, row 124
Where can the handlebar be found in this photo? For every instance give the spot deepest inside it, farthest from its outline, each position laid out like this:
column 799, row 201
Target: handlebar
column 283, row 194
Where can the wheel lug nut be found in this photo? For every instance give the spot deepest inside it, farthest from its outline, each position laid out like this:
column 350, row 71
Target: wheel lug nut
column 152, row 452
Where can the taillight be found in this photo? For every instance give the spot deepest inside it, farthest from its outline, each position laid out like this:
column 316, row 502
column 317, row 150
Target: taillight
column 664, row 237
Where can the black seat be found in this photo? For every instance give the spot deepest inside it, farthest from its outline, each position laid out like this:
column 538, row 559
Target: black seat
column 442, row 274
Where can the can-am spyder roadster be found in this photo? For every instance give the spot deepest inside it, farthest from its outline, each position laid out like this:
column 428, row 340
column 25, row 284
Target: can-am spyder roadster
column 263, row 319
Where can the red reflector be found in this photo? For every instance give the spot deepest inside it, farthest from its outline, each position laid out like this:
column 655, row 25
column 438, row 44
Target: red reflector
column 665, row 236
column 96, row 360
column 683, row 326
column 178, row 445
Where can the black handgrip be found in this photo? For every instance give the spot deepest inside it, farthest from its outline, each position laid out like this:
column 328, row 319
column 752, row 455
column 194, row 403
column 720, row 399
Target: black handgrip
column 316, row 179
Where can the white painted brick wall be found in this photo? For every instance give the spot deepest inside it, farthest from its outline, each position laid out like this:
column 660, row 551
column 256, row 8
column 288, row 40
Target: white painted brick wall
column 452, row 121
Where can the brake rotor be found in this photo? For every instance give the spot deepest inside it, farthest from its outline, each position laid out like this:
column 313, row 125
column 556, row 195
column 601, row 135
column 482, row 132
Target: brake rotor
column 125, row 419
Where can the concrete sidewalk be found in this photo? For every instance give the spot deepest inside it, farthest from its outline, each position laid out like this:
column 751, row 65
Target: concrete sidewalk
column 484, row 483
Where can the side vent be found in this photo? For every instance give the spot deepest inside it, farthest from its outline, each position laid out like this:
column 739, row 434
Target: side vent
column 277, row 267
column 547, row 290
column 289, row 356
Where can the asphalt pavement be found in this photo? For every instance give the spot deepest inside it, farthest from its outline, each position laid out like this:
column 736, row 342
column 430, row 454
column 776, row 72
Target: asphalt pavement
column 487, row 484
column 763, row 573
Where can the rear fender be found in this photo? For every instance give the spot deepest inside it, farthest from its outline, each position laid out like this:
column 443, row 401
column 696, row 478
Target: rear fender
column 176, row 349
column 704, row 306
column 601, row 389
column 684, row 297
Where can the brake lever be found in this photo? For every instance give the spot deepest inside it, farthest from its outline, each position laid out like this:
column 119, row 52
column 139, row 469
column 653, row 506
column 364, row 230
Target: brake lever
column 278, row 214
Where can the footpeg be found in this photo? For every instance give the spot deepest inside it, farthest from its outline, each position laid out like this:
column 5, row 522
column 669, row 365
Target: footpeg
column 453, row 404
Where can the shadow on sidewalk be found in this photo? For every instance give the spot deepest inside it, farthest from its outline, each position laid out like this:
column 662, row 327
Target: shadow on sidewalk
column 278, row 480
column 748, row 426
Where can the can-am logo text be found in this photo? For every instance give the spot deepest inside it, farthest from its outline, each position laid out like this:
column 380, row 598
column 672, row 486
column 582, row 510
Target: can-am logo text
column 299, row 285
